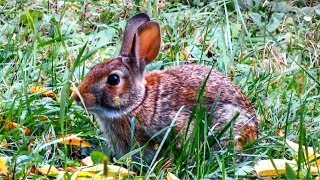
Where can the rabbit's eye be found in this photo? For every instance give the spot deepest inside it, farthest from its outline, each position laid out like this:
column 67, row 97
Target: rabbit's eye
column 113, row 80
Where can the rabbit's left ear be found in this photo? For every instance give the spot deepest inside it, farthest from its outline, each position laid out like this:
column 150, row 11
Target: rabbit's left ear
column 147, row 42
column 132, row 27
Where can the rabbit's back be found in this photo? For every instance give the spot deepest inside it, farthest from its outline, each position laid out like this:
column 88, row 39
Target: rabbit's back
column 168, row 90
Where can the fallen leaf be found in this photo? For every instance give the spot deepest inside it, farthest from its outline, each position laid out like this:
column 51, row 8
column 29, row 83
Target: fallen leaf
column 40, row 89
column 71, row 168
column 4, row 143
column 79, row 175
column 12, row 125
column 92, row 169
column 49, row 94
column 3, row 167
column 313, row 156
column 315, row 161
column 48, row 170
column 27, row 131
column 112, row 170
column 115, row 170
column 266, row 168
column 43, row 117
column 295, row 147
column 72, row 139
column 36, row 89
column 87, row 161
column 171, row 176
column 280, row 132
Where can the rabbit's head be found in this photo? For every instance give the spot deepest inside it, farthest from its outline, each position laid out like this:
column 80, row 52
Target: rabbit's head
column 115, row 87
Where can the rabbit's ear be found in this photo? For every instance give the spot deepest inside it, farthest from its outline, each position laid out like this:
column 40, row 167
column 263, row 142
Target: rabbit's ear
column 147, row 42
column 131, row 28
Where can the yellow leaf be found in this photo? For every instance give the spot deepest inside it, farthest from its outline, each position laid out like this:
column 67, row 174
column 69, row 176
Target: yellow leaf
column 312, row 156
column 117, row 170
column 72, row 139
column 36, row 89
column 265, row 167
column 3, row 167
column 93, row 169
column 43, row 117
column 48, row 170
column 40, row 89
column 171, row 176
column 315, row 162
column 113, row 171
column 72, row 88
column 295, row 147
column 82, row 175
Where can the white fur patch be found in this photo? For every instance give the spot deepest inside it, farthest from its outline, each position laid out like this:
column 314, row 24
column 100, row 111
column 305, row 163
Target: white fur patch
column 107, row 114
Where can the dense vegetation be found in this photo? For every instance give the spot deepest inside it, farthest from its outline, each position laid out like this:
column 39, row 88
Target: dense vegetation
column 271, row 50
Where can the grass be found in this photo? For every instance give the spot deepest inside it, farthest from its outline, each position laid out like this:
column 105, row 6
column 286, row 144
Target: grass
column 271, row 50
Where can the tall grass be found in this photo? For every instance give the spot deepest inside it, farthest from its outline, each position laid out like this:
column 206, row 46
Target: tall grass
column 269, row 49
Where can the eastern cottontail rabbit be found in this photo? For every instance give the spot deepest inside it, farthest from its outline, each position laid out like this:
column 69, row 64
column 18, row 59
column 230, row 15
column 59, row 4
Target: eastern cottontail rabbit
column 117, row 90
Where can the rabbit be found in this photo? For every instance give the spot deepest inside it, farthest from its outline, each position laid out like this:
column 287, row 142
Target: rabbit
column 119, row 89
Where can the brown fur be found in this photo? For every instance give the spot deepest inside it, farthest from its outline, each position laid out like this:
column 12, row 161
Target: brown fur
column 155, row 98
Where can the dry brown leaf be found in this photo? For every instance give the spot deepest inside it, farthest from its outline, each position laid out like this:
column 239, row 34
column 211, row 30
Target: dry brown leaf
column 72, row 139
column 49, row 94
column 87, row 161
column 71, row 168
column 12, row 125
column 3, row 167
column 48, row 170
column 27, row 131
column 280, row 132
column 171, row 176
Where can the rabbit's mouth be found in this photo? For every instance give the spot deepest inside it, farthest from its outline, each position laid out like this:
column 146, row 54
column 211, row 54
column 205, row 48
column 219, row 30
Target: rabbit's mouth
column 108, row 113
